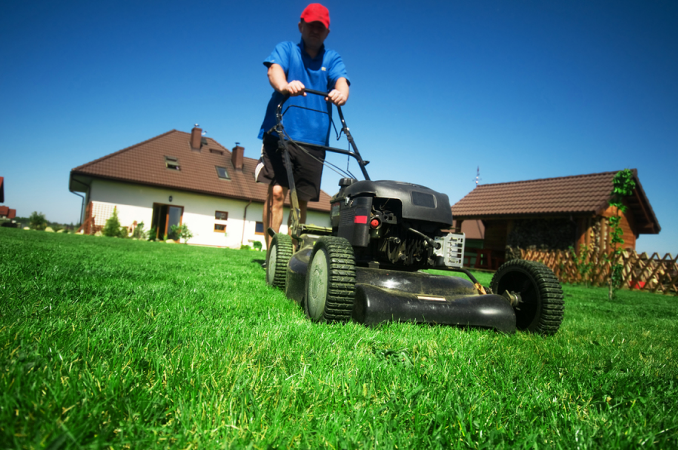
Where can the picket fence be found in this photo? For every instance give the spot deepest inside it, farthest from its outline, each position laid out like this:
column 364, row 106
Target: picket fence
column 640, row 272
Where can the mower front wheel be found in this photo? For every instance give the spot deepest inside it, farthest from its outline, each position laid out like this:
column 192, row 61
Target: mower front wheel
column 330, row 281
column 541, row 306
column 276, row 260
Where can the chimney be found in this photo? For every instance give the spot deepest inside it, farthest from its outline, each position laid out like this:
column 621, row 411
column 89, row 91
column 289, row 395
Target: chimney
column 196, row 134
column 237, row 156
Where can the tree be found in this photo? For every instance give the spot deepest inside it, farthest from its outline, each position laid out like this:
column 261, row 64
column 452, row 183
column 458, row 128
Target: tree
column 623, row 186
column 37, row 221
column 112, row 227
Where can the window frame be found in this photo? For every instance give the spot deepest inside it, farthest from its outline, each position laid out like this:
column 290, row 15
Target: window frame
column 228, row 177
column 263, row 232
column 216, row 215
column 172, row 163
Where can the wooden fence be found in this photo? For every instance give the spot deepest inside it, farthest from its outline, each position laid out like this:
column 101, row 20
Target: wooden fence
column 642, row 272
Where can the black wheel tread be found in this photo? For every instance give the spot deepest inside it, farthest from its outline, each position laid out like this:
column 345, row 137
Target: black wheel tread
column 341, row 279
column 284, row 250
column 552, row 305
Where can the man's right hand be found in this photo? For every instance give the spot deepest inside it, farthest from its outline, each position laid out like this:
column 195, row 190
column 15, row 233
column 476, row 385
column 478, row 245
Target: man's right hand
column 278, row 80
column 295, row 88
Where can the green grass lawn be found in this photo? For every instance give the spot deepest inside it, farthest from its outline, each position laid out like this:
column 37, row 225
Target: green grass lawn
column 109, row 342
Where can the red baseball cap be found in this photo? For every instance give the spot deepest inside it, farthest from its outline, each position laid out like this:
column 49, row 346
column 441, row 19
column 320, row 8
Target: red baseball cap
column 315, row 12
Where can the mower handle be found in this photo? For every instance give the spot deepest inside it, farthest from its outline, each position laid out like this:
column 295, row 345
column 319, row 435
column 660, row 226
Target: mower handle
column 313, row 91
column 355, row 153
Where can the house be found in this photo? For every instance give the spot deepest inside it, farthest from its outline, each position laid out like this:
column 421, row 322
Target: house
column 6, row 214
column 553, row 213
column 181, row 178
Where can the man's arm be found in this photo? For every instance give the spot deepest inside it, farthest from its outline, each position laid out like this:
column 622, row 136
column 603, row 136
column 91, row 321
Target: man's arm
column 278, row 80
column 339, row 94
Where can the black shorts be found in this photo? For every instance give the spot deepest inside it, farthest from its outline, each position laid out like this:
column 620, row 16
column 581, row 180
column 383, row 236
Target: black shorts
column 307, row 170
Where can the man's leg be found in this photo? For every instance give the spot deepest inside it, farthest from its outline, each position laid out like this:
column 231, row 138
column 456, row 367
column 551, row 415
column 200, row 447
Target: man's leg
column 302, row 215
column 273, row 210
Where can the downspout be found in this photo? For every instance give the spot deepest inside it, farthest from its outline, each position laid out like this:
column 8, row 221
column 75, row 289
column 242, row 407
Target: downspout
column 82, row 205
column 244, row 217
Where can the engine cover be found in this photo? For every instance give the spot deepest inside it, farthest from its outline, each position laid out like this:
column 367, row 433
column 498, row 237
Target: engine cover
column 418, row 202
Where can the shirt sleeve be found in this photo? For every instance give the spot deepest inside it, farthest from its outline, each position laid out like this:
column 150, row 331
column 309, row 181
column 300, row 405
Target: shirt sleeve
column 280, row 56
column 337, row 70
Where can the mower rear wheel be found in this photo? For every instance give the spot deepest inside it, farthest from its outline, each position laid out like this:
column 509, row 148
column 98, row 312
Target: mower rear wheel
column 276, row 260
column 330, row 281
column 541, row 304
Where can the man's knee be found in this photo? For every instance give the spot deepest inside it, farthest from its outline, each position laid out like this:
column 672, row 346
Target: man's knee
column 277, row 194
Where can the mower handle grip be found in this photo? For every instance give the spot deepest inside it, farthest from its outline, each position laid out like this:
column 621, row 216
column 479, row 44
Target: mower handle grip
column 313, row 91
column 286, row 96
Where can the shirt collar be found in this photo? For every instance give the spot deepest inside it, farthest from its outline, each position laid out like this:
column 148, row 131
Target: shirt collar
column 302, row 45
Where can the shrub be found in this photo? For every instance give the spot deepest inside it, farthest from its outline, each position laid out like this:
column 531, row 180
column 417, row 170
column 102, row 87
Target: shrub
column 112, row 227
column 37, row 221
column 180, row 232
column 580, row 261
column 139, row 232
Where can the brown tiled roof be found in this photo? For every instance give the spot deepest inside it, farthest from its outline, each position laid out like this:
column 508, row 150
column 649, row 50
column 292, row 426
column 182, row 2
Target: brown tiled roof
column 6, row 212
column 144, row 163
column 579, row 194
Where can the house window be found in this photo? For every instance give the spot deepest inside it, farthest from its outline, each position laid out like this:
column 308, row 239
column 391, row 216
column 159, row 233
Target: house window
column 221, row 215
column 172, row 162
column 259, row 228
column 219, row 228
column 222, row 173
column 215, row 151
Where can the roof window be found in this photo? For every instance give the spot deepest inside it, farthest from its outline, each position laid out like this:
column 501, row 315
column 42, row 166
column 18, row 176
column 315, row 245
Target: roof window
column 171, row 162
column 215, row 151
column 222, row 173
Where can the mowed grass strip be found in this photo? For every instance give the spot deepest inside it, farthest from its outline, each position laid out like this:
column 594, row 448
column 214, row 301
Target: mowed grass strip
column 109, row 342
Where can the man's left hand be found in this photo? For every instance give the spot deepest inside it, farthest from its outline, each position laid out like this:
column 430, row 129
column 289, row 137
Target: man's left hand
column 336, row 97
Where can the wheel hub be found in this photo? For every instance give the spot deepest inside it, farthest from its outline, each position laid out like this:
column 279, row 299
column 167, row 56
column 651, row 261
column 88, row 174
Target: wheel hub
column 513, row 298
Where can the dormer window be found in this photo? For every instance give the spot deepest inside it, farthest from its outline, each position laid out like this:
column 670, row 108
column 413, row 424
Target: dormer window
column 172, row 162
column 222, row 173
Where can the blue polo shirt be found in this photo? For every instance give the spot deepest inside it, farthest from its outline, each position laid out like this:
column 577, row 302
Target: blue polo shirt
column 319, row 73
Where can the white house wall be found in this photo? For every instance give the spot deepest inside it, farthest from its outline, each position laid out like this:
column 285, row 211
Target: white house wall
column 135, row 203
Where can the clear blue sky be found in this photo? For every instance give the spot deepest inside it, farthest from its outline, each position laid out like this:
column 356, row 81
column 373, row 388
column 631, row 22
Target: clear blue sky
column 524, row 89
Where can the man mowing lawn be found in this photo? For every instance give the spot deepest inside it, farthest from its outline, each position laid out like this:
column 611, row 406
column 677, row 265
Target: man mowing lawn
column 291, row 69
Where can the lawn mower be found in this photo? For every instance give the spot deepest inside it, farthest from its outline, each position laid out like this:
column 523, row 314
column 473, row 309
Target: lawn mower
column 369, row 265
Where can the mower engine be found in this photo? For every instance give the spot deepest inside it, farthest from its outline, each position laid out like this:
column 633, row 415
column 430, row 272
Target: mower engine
column 396, row 225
